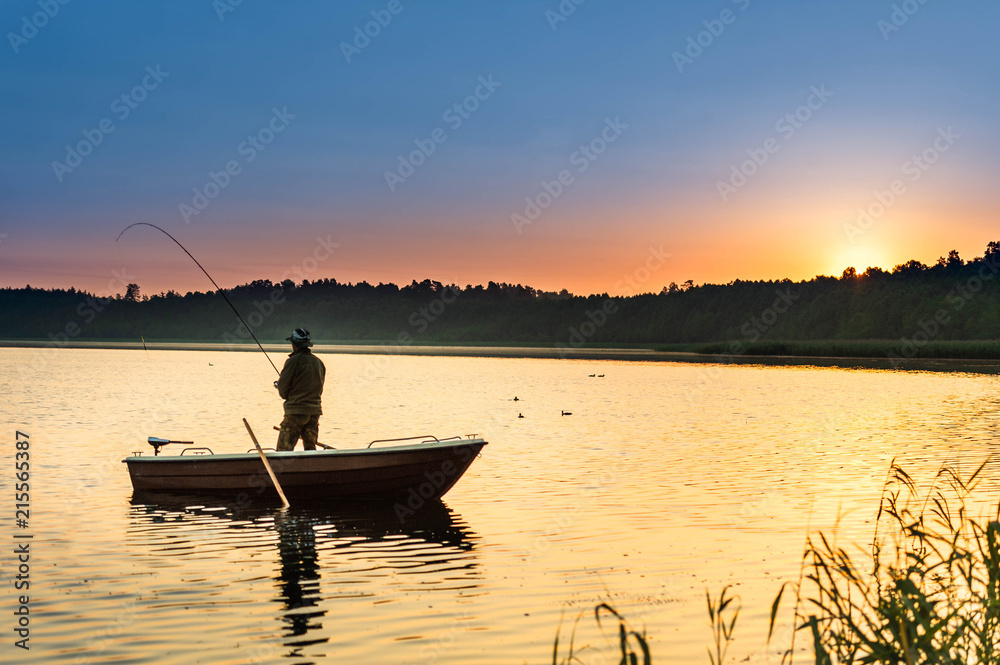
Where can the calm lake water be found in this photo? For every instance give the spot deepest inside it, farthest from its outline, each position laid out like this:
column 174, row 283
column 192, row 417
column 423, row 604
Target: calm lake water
column 666, row 481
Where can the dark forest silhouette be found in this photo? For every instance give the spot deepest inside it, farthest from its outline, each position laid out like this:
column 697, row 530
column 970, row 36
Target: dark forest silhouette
column 951, row 300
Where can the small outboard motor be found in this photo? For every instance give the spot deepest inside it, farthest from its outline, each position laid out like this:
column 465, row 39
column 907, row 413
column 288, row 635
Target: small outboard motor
column 157, row 443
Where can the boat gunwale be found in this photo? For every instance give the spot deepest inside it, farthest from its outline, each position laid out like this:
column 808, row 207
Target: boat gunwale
column 296, row 454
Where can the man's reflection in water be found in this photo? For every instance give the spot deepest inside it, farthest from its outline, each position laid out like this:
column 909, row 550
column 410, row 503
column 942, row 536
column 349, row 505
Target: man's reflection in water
column 299, row 577
column 432, row 542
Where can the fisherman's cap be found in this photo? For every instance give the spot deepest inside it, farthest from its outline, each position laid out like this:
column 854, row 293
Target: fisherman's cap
column 300, row 337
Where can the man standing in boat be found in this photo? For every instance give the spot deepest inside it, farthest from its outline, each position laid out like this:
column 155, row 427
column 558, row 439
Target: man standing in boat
column 301, row 386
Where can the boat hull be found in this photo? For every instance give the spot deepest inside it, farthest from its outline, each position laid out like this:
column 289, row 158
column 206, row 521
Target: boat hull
column 427, row 470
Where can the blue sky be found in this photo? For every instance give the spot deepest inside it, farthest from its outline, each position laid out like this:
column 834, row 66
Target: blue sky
column 223, row 70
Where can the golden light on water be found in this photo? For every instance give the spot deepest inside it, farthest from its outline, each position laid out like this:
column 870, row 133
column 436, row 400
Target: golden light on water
column 668, row 480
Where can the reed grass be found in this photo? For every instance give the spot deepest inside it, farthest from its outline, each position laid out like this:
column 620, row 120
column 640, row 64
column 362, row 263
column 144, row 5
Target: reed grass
column 927, row 592
column 722, row 613
column 630, row 642
column 931, row 595
column 723, row 624
column 864, row 348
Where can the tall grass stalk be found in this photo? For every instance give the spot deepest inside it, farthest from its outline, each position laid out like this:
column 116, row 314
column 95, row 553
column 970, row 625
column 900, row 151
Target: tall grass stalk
column 981, row 349
column 928, row 592
column 723, row 624
column 630, row 643
column 932, row 594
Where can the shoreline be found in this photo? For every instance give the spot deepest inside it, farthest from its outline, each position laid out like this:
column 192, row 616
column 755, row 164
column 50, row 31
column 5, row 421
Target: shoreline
column 978, row 366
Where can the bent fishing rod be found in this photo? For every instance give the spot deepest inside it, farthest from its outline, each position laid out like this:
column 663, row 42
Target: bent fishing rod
column 221, row 292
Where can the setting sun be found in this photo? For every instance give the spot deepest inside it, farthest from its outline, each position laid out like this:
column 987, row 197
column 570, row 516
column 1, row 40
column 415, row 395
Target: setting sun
column 859, row 257
column 538, row 315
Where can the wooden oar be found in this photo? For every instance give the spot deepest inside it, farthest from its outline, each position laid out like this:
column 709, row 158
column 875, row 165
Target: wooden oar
column 267, row 465
column 321, row 445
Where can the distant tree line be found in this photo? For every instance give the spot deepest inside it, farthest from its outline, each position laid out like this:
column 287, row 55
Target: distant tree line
column 954, row 298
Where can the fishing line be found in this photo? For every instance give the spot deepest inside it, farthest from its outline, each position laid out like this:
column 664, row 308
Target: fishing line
column 124, row 265
column 221, row 292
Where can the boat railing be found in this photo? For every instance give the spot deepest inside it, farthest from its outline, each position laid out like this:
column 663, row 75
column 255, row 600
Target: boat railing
column 427, row 438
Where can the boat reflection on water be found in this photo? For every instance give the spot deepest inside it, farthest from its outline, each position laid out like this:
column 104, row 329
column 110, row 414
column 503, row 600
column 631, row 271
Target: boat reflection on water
column 350, row 544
